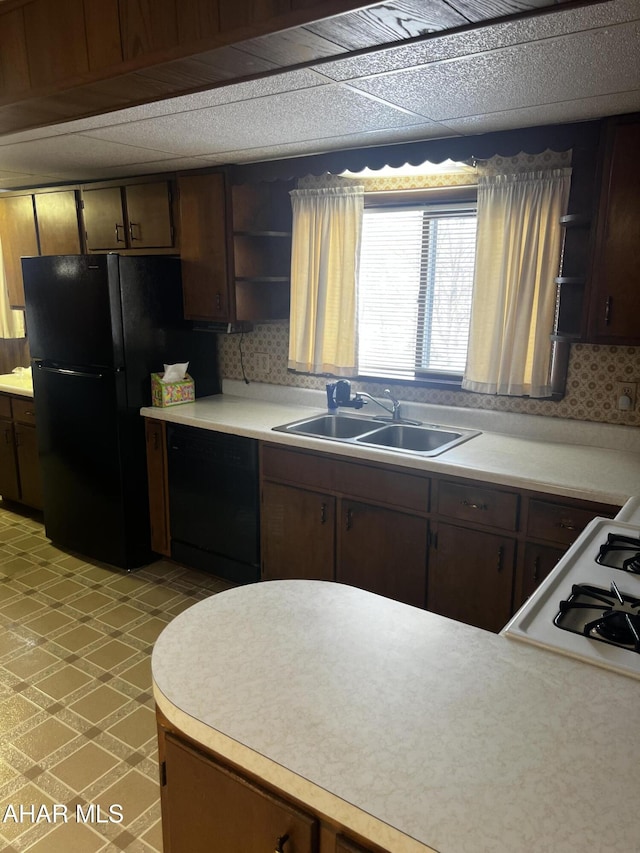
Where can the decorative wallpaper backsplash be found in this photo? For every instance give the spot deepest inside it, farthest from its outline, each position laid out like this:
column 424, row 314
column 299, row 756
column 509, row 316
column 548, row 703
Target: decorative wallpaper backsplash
column 591, row 395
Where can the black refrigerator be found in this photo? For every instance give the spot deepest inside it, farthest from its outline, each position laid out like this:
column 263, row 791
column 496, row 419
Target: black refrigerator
column 97, row 327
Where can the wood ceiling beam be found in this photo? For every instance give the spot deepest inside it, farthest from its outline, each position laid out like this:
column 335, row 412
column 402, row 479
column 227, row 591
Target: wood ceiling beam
column 68, row 59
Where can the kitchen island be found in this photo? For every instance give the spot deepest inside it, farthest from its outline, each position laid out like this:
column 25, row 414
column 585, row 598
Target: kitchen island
column 402, row 728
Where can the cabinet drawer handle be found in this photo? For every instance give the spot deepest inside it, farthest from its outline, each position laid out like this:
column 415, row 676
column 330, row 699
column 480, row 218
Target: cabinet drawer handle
column 218, row 301
column 500, row 556
column 7, row 435
column 133, row 225
column 323, row 513
column 567, row 524
column 536, row 569
column 280, row 842
column 471, row 505
column 607, row 310
column 349, row 519
column 118, row 240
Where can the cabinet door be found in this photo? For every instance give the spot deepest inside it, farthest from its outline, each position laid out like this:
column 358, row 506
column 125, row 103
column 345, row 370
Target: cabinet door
column 203, row 248
column 58, row 227
column 28, row 465
column 383, row 551
column 207, row 807
column 19, row 239
column 539, row 560
column 9, row 482
column 104, row 219
column 471, row 577
column 615, row 281
column 345, row 845
column 296, row 533
column 158, row 487
column 149, row 215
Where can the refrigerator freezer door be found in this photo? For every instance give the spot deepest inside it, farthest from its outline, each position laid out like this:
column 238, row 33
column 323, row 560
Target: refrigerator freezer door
column 71, row 301
column 151, row 299
column 93, row 469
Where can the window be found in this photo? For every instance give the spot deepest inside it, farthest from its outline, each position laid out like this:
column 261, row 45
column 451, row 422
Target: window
column 414, row 290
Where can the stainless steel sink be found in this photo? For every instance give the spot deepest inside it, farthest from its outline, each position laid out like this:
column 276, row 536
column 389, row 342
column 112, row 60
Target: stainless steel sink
column 330, row 426
column 423, row 440
column 417, row 439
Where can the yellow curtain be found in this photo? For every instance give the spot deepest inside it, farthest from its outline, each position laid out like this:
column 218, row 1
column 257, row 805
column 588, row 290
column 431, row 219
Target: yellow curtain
column 517, row 258
column 327, row 225
column 11, row 321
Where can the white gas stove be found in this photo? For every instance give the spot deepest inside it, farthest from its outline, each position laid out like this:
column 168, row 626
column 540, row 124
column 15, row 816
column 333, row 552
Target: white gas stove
column 589, row 606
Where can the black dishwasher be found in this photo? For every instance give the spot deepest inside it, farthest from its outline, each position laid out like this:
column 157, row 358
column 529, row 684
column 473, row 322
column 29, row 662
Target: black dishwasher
column 213, row 498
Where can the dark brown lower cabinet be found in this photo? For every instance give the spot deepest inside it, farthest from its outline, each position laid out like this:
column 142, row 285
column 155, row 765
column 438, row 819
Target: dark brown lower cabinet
column 539, row 560
column 471, row 576
column 383, row 551
column 156, row 442
column 20, row 478
column 9, row 481
column 344, row 845
column 207, row 807
column 297, row 533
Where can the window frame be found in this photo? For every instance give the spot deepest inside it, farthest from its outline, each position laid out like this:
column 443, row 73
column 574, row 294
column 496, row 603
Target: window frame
column 465, row 194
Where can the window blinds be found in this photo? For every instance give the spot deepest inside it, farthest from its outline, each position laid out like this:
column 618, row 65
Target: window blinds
column 414, row 290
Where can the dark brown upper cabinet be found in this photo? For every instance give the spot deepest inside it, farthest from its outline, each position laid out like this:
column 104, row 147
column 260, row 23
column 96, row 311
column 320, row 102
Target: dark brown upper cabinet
column 38, row 223
column 615, row 277
column 132, row 217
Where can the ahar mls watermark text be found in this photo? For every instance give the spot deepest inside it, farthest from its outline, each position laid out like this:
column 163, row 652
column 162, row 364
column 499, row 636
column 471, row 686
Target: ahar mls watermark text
column 59, row 813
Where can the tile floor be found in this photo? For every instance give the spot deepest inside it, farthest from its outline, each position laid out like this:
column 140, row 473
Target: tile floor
column 77, row 727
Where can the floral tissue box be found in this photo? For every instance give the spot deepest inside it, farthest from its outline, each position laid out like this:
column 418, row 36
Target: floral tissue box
column 165, row 394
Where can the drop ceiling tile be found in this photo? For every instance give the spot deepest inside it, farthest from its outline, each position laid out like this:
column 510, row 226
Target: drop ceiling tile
column 580, row 65
column 413, row 133
column 324, row 111
column 168, row 164
column 482, row 39
column 584, row 109
column 25, row 179
column 303, row 78
column 69, row 156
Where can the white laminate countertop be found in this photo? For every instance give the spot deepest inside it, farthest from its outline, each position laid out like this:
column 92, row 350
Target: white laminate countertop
column 415, row 731
column 572, row 459
column 18, row 384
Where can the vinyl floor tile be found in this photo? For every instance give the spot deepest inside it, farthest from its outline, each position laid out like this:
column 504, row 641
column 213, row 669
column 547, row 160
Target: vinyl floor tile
column 77, row 724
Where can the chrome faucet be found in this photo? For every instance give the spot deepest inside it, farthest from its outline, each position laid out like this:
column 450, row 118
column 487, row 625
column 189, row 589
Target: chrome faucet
column 394, row 410
column 339, row 394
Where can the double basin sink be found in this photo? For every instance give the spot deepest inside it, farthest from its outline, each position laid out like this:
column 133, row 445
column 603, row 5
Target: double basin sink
column 422, row 439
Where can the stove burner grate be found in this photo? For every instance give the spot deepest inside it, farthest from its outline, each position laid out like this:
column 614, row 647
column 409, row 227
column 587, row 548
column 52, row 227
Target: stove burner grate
column 620, row 552
column 608, row 617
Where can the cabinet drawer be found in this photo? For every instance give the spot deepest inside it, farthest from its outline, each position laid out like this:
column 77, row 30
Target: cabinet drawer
column 468, row 502
column 557, row 522
column 399, row 490
column 395, row 488
column 24, row 410
column 301, row 469
column 5, row 406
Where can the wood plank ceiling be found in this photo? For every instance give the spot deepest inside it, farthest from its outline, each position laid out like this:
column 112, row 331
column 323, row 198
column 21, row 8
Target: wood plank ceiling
column 171, row 48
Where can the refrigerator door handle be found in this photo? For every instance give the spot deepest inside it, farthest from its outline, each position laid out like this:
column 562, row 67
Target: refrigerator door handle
column 68, row 372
